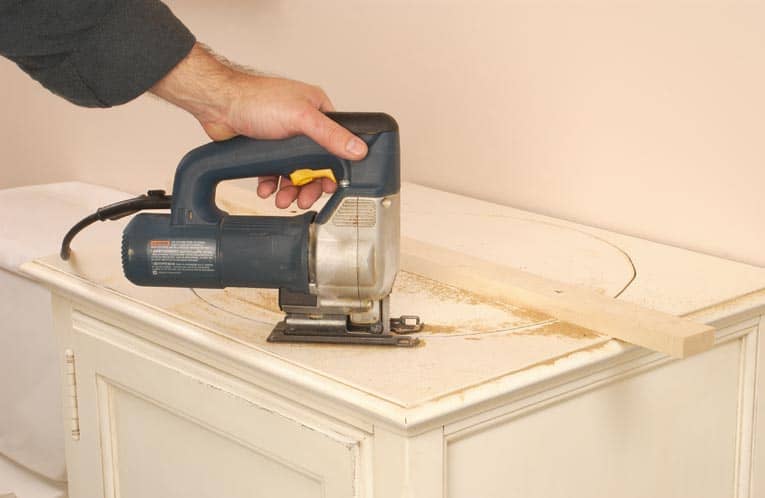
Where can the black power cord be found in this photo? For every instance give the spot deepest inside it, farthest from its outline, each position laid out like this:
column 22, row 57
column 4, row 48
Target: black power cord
column 153, row 199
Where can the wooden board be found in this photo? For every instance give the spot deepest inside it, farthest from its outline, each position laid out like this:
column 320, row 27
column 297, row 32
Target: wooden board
column 651, row 329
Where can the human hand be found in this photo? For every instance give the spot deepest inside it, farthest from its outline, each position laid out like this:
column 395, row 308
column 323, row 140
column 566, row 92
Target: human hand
column 229, row 102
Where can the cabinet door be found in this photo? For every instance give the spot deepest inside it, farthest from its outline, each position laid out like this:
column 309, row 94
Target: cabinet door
column 154, row 423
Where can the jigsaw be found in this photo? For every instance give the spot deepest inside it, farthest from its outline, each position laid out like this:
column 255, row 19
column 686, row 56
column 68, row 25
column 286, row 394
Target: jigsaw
column 334, row 269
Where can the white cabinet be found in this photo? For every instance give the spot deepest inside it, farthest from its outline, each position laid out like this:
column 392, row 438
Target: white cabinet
column 153, row 423
column 177, row 393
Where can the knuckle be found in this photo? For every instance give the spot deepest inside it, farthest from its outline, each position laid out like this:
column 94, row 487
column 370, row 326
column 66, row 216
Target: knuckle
column 303, row 118
column 334, row 134
column 318, row 91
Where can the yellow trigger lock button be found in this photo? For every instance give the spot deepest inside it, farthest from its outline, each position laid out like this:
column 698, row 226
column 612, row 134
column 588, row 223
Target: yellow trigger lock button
column 302, row 176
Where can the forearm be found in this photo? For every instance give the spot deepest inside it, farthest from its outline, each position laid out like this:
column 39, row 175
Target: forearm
column 199, row 84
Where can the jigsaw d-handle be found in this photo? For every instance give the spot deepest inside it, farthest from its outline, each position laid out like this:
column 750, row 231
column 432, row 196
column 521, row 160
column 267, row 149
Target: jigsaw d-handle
column 203, row 168
column 199, row 245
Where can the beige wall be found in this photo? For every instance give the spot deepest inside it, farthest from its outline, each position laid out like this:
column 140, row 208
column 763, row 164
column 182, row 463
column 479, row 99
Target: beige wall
column 643, row 117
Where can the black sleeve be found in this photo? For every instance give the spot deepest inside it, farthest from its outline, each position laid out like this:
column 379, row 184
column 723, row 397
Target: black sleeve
column 95, row 53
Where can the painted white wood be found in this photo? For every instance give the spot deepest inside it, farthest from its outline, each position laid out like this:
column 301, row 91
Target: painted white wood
column 756, row 485
column 173, row 383
column 533, row 388
column 667, row 432
column 82, row 455
column 747, row 397
column 159, row 453
column 163, row 431
column 408, row 467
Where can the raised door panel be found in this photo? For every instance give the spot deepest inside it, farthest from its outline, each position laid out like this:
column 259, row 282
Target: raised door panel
column 669, row 431
column 157, row 424
column 158, row 452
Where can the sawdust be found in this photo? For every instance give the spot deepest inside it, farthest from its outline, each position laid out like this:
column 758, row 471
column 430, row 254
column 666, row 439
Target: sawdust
column 266, row 299
column 553, row 361
column 446, row 309
column 443, row 308
column 439, row 329
column 408, row 283
column 559, row 329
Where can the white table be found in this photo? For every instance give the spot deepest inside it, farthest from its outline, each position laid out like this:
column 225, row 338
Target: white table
column 176, row 393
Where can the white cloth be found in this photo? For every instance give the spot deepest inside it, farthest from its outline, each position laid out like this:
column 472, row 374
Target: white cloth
column 21, row 483
column 31, row 430
column 33, row 220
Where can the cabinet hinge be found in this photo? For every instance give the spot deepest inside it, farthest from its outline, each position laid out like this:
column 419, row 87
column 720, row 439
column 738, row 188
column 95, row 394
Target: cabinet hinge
column 71, row 393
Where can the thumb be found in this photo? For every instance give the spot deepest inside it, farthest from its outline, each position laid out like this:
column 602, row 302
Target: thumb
column 333, row 137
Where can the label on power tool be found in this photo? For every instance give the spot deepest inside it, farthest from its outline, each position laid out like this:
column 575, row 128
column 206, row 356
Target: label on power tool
column 175, row 257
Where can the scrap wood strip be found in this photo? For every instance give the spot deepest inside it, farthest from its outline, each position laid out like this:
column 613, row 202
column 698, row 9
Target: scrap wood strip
column 655, row 330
